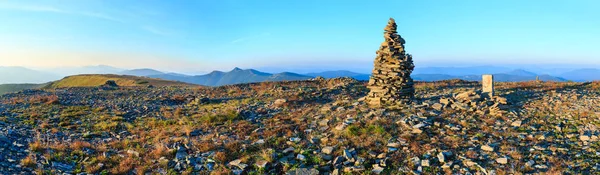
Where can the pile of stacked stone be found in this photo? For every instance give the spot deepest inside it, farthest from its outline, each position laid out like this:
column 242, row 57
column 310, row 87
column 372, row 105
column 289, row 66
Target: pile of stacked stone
column 390, row 84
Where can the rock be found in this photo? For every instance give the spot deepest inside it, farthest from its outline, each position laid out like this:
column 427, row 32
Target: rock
column 541, row 167
column 425, row 163
column 394, row 145
column 327, row 150
column 338, row 160
column 289, row 150
column 324, row 122
column 442, row 156
column 445, row 101
column 181, row 153
column 348, row 154
column 303, row 171
column 530, row 163
column 437, row 106
column 487, row 148
column 340, row 127
column 261, row 164
column 516, row 123
column 301, row 157
column 417, row 131
column 464, row 96
column 238, row 163
column 196, row 132
column 502, row 160
column 137, row 154
column 377, row 169
column 584, row 138
column 353, row 169
column 295, row 139
column 326, row 157
column 260, row 142
column 279, row 102
column 418, row 126
column 63, row 167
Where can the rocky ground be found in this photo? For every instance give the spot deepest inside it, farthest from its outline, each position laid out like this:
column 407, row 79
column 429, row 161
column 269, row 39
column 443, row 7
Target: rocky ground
column 302, row 127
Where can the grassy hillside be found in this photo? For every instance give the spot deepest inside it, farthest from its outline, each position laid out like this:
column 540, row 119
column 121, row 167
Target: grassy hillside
column 8, row 88
column 92, row 80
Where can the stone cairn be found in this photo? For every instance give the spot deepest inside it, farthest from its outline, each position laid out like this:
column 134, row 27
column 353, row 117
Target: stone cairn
column 390, row 84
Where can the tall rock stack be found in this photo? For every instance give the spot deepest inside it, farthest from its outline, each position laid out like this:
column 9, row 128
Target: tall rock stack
column 390, row 84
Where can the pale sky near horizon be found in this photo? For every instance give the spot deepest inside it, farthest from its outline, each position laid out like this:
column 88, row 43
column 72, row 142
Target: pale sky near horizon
column 202, row 35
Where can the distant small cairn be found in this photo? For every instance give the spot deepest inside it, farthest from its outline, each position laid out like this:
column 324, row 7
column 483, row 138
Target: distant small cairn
column 390, row 84
column 110, row 83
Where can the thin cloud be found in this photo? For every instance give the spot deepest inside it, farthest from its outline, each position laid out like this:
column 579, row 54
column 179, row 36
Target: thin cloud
column 51, row 9
column 101, row 16
column 243, row 39
column 157, row 31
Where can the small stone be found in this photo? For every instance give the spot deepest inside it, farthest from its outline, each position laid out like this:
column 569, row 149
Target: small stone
column 327, row 150
column 301, row 157
column 418, row 126
column 541, row 166
column 441, row 157
column 289, row 150
column 324, row 122
column 295, row 139
column 445, row 101
column 260, row 142
column 417, row 131
column 425, row 163
column 516, row 123
column 137, row 154
column 381, row 156
column 502, row 160
column 377, row 169
column 348, row 154
column 584, row 138
column 303, row 171
column 437, row 106
column 261, row 164
column 279, row 102
column 394, row 144
column 530, row 163
column 340, row 127
column 238, row 163
column 487, row 148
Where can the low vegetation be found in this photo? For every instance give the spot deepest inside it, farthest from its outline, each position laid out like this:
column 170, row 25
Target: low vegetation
column 274, row 127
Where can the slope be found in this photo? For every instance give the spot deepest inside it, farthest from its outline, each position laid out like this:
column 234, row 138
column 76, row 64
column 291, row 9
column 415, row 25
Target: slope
column 91, row 80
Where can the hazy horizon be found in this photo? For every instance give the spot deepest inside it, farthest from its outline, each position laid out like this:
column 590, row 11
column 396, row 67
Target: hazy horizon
column 201, row 36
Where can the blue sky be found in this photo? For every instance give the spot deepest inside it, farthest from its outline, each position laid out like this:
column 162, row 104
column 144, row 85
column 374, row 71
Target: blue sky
column 306, row 35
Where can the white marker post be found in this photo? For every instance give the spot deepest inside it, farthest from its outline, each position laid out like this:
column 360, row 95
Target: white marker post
column 487, row 83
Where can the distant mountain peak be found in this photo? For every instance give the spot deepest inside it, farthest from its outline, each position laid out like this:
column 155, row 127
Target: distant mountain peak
column 521, row 72
column 236, row 69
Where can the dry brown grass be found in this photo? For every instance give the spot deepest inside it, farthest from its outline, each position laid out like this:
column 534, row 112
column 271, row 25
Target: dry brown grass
column 77, row 145
column 59, row 146
column 266, row 154
column 471, row 154
column 36, row 146
column 221, row 171
column 47, row 99
column 220, row 156
column 204, row 146
column 124, row 166
column 178, row 98
column 92, row 168
column 28, row 161
column 159, row 150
